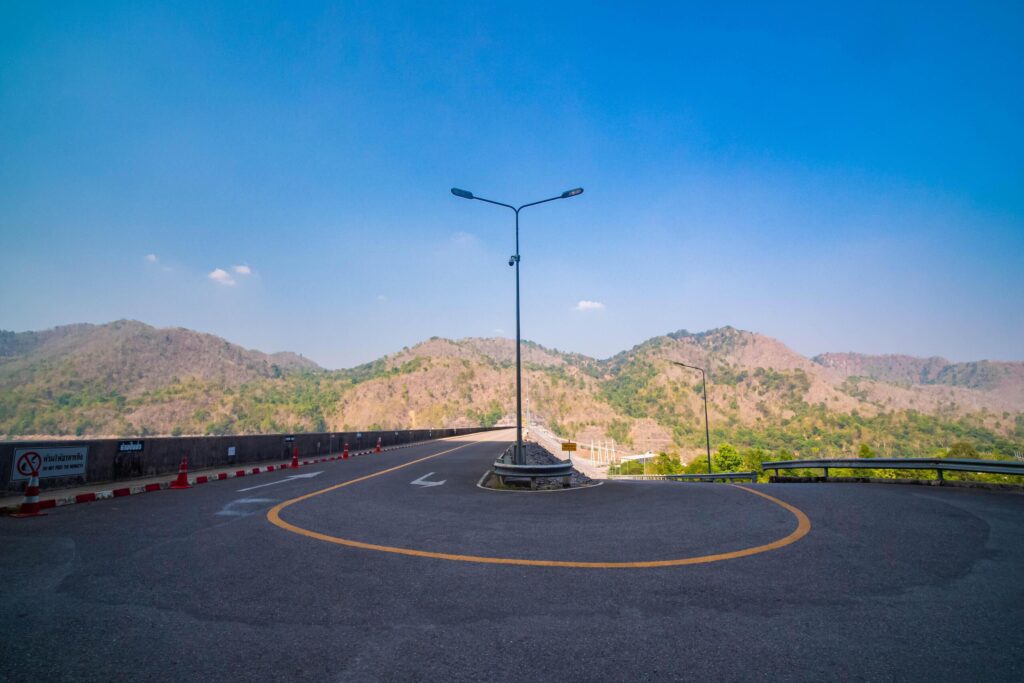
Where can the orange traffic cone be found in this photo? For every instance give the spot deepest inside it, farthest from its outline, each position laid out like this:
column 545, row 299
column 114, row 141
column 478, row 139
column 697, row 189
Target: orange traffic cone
column 295, row 457
column 377, row 450
column 182, row 481
column 30, row 506
column 344, row 453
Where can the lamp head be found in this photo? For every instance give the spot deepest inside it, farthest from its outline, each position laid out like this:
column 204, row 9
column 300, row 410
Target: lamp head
column 568, row 193
column 465, row 194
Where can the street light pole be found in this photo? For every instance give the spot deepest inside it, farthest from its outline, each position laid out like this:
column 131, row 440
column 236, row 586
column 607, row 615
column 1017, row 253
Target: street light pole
column 704, row 386
column 520, row 458
column 514, row 261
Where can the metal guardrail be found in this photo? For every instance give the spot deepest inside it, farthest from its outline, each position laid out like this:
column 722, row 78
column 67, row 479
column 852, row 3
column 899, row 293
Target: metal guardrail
column 639, row 477
column 940, row 465
column 714, row 476
column 504, row 467
column 561, row 469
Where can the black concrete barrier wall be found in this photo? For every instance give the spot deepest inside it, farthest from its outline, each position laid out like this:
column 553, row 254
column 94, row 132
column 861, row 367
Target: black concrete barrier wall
column 162, row 455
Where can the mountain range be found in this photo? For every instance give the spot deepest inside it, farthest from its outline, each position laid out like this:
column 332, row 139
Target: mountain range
column 127, row 378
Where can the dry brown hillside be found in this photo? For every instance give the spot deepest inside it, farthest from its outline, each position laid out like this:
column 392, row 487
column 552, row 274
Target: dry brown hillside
column 129, row 378
column 130, row 358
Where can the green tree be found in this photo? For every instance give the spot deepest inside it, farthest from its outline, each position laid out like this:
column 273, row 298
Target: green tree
column 698, row 465
column 727, row 459
column 753, row 457
column 665, row 464
column 865, row 451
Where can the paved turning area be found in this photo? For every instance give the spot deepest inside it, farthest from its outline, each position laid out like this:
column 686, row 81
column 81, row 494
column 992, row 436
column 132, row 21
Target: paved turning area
column 374, row 569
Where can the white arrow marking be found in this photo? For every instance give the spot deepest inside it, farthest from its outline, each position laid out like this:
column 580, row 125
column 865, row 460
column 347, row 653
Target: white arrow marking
column 308, row 475
column 229, row 511
column 422, row 481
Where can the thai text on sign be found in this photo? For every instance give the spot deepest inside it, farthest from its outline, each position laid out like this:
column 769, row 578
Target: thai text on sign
column 67, row 461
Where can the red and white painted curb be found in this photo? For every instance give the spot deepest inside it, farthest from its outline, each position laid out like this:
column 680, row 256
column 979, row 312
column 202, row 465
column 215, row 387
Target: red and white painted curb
column 93, row 496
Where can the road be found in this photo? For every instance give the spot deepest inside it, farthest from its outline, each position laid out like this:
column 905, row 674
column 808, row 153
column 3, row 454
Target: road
column 364, row 573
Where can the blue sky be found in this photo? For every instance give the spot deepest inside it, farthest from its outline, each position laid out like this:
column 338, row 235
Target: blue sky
column 848, row 177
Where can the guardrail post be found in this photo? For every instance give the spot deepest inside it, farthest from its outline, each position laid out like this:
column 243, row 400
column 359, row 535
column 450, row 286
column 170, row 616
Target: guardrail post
column 939, row 473
column 826, row 472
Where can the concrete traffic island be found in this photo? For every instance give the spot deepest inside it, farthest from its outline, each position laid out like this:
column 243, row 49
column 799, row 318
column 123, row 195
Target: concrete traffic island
column 537, row 458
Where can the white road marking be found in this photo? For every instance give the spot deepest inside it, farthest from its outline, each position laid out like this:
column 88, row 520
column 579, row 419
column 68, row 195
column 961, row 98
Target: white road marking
column 229, row 511
column 422, row 481
column 308, row 475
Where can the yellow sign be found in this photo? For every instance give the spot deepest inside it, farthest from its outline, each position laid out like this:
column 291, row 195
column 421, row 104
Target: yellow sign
column 568, row 446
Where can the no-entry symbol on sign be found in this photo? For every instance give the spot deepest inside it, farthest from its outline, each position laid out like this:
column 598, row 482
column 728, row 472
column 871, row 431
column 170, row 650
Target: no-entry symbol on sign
column 56, row 461
column 28, row 463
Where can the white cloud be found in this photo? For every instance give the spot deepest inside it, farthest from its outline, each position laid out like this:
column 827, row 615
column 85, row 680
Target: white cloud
column 152, row 258
column 585, row 305
column 463, row 239
column 499, row 331
column 381, row 297
column 243, row 270
column 221, row 277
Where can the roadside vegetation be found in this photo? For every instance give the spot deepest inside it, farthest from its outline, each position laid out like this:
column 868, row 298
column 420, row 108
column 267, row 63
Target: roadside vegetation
column 727, row 458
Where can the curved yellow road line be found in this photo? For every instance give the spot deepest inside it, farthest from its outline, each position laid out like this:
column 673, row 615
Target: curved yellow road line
column 803, row 527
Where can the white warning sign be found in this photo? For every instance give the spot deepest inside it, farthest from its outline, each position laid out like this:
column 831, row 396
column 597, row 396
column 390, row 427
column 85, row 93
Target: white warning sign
column 67, row 461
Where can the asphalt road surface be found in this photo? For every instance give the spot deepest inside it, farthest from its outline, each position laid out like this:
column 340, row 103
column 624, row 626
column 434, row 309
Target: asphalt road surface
column 368, row 572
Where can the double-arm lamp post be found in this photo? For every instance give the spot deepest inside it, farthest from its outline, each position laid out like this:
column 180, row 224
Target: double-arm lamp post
column 704, row 385
column 514, row 261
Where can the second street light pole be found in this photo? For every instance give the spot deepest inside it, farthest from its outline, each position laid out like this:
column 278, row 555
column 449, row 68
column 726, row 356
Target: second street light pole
column 704, row 386
column 514, row 261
